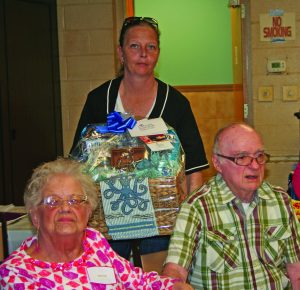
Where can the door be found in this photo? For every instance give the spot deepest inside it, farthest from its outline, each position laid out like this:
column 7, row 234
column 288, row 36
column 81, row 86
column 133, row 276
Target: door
column 30, row 94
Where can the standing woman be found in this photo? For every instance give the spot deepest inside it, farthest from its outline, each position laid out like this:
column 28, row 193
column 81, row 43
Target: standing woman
column 138, row 92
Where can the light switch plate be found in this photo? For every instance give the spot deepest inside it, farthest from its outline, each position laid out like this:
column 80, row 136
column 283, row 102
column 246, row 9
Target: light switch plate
column 290, row 93
column 265, row 94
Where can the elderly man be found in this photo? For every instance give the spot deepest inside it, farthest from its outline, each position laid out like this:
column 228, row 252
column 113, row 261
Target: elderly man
column 237, row 231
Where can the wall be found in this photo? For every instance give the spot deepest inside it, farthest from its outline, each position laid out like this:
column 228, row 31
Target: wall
column 87, row 59
column 275, row 119
column 194, row 50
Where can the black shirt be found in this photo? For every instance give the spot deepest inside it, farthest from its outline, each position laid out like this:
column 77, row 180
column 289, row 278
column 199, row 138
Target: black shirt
column 170, row 104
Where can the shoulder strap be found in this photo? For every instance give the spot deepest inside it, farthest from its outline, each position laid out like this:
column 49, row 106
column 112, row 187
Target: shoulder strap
column 166, row 98
column 107, row 98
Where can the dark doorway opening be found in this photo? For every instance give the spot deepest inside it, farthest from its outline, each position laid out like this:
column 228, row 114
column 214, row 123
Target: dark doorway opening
column 30, row 105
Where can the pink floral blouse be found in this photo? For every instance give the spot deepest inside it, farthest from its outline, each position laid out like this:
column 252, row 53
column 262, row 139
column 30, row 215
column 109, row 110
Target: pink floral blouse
column 99, row 267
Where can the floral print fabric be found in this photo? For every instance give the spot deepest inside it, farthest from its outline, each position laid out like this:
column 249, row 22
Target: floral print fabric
column 98, row 268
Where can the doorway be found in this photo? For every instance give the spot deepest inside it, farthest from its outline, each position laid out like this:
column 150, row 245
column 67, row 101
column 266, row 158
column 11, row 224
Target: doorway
column 30, row 108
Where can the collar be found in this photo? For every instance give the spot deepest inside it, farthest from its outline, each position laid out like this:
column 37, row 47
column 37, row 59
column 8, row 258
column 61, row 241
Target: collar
column 160, row 103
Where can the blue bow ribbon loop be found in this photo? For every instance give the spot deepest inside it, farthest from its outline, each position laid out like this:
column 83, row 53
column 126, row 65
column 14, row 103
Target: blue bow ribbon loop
column 116, row 123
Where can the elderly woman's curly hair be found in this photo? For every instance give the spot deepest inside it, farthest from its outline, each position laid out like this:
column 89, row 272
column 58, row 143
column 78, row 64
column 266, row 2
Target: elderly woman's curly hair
column 42, row 174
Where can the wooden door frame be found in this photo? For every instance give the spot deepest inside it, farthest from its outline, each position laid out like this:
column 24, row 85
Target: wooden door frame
column 247, row 60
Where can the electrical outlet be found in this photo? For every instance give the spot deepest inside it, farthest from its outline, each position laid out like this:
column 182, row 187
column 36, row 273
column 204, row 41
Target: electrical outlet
column 290, row 93
column 265, row 94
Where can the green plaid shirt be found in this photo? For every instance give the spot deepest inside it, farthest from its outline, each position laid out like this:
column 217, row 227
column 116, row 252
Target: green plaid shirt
column 223, row 247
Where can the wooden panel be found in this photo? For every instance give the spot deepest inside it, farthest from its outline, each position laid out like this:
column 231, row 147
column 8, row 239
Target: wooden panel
column 129, row 8
column 214, row 109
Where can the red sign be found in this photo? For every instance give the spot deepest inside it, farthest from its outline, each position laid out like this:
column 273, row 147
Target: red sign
column 277, row 27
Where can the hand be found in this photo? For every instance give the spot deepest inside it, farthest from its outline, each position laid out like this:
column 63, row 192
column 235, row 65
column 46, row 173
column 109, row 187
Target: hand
column 182, row 286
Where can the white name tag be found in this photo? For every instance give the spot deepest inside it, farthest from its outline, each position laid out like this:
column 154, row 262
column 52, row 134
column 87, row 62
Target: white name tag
column 149, row 127
column 103, row 275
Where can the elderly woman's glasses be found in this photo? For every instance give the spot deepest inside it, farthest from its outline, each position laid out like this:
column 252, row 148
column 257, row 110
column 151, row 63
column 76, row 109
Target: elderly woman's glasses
column 55, row 201
column 135, row 20
column 245, row 160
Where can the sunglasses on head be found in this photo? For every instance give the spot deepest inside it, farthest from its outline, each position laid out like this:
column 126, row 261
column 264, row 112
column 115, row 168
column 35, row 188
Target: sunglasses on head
column 136, row 20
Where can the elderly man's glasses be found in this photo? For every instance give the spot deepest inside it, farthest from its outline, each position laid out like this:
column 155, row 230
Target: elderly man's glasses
column 135, row 20
column 245, row 160
column 55, row 201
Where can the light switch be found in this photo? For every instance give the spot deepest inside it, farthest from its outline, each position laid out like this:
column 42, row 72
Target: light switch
column 290, row 93
column 265, row 94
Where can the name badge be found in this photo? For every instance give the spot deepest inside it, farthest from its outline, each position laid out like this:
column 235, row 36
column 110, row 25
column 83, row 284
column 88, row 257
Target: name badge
column 103, row 275
column 149, row 127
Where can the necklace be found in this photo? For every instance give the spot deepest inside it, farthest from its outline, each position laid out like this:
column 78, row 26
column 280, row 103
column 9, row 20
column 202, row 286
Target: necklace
column 141, row 105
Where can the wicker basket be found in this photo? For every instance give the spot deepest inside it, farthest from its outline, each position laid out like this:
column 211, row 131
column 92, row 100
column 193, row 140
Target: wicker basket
column 109, row 155
column 166, row 194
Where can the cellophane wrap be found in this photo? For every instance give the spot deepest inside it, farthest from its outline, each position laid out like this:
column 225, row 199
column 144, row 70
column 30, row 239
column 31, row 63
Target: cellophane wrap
column 118, row 156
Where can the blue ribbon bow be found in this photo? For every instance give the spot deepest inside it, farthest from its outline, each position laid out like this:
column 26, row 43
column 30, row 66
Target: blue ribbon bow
column 115, row 124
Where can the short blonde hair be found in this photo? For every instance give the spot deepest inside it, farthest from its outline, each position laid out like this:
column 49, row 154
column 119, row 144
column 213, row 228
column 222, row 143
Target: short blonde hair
column 42, row 174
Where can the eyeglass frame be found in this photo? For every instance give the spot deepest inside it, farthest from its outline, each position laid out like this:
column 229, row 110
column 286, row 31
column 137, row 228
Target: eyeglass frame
column 84, row 199
column 234, row 159
column 137, row 19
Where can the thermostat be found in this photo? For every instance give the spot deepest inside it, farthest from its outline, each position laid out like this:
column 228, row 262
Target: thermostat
column 276, row 66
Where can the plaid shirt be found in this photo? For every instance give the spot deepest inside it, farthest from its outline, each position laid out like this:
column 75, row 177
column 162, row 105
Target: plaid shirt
column 224, row 247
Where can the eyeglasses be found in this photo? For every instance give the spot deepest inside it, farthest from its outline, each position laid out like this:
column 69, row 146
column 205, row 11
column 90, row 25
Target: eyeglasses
column 245, row 160
column 135, row 20
column 55, row 201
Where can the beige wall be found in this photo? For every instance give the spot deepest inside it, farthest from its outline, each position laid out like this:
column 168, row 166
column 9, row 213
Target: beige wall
column 87, row 59
column 275, row 120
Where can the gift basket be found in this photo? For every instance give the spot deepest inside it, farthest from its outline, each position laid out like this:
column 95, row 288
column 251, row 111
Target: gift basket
column 140, row 169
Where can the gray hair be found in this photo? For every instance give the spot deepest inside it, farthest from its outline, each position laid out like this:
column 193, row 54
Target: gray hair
column 42, row 174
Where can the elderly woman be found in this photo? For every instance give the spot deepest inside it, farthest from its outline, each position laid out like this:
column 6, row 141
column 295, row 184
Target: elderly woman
column 65, row 253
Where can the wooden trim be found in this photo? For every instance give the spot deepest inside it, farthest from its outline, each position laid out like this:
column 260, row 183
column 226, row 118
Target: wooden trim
column 129, row 8
column 210, row 88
